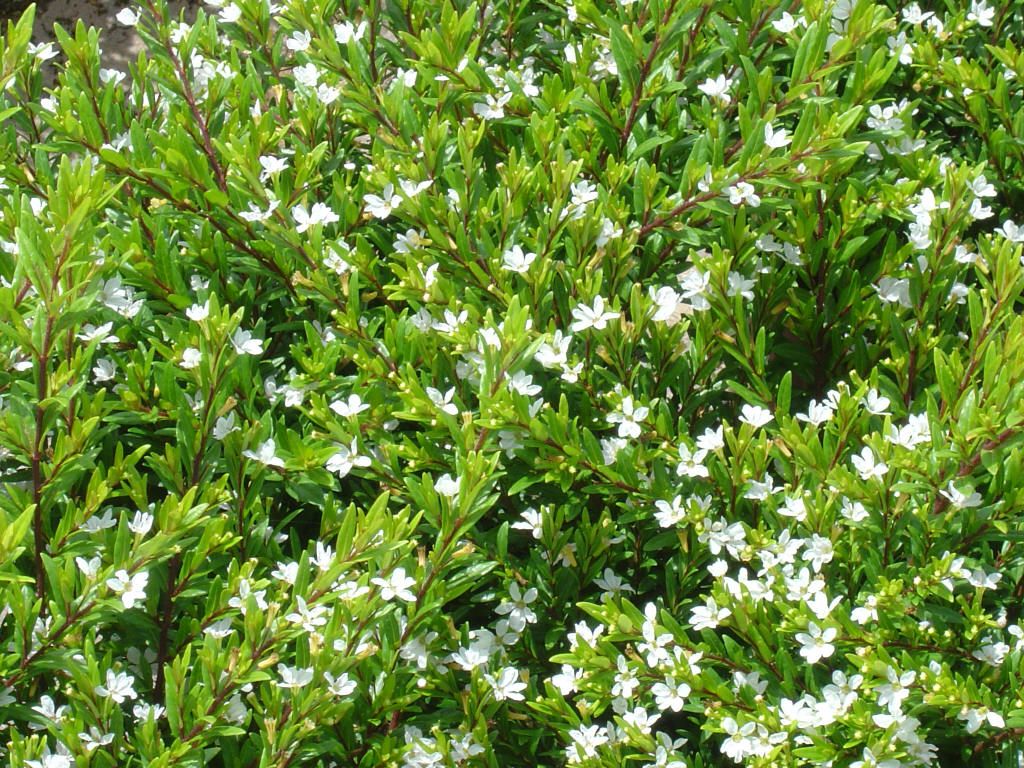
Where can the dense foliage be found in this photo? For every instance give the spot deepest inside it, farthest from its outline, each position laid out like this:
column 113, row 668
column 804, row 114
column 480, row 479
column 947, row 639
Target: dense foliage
column 425, row 382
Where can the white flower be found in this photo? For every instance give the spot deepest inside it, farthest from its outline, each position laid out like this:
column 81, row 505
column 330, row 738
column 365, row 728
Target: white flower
column 409, row 241
column 776, row 139
column 628, row 418
column 915, row 431
column 272, row 166
column 111, row 76
column 219, row 629
column 266, row 454
column 854, row 511
column 611, row 584
column 717, row 88
column 88, row 568
column 982, row 580
column 286, row 572
column 406, row 77
column 443, row 401
column 43, row 52
column 446, row 485
column 319, row 214
column 979, row 210
column 743, row 192
column 515, row 260
column 120, row 298
column 190, row 358
column 670, row 513
column 555, row 353
column 245, row 344
column 131, row 588
column 866, row 465
column 867, row 612
column 992, row 653
column 141, row 523
column 119, row 686
column 127, row 17
column 962, row 500
column 739, row 285
column 347, row 32
column 298, row 40
column 977, row 717
column 198, row 312
column 224, row 426
column 345, row 459
column 591, row 317
column 982, row 13
column 816, row 643
column 493, row 108
column 712, row 439
column 98, row 523
column 739, row 744
column 585, row 741
column 101, row 333
column 93, row 739
column 639, row 718
column 786, row 24
column 894, row 290
column 668, row 304
column 309, row 618
column 586, row 634
column 818, row 550
column 340, row 686
column 532, row 521
column 566, row 680
column 397, row 584
column 893, row 693
column 104, row 370
column 451, row 322
column 670, row 694
column 709, row 615
column 817, row 413
column 294, row 678
column 608, row 232
column 755, row 415
column 412, row 188
column 870, row 760
column 913, row 14
column 876, row 404
column 581, row 194
column 380, row 207
column 353, row 406
column 1012, row 232
column 229, row 14
column 517, row 607
column 901, row 49
column 307, row 75
column 507, row 685
column 143, row 712
column 695, row 285
column 721, row 534
column 245, row 591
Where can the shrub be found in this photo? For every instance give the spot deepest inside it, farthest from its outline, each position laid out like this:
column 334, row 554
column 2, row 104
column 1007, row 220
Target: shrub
column 436, row 383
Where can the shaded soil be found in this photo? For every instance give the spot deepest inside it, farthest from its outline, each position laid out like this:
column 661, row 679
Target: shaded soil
column 121, row 45
column 12, row 9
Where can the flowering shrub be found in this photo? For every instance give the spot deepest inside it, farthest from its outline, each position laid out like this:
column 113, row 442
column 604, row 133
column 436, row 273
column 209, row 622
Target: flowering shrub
column 443, row 383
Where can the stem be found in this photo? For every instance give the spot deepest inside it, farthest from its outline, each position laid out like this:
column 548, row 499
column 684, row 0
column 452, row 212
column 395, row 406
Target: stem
column 645, row 70
column 42, row 391
column 190, row 99
column 166, row 616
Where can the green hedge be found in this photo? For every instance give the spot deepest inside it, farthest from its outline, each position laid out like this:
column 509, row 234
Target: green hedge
column 429, row 383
